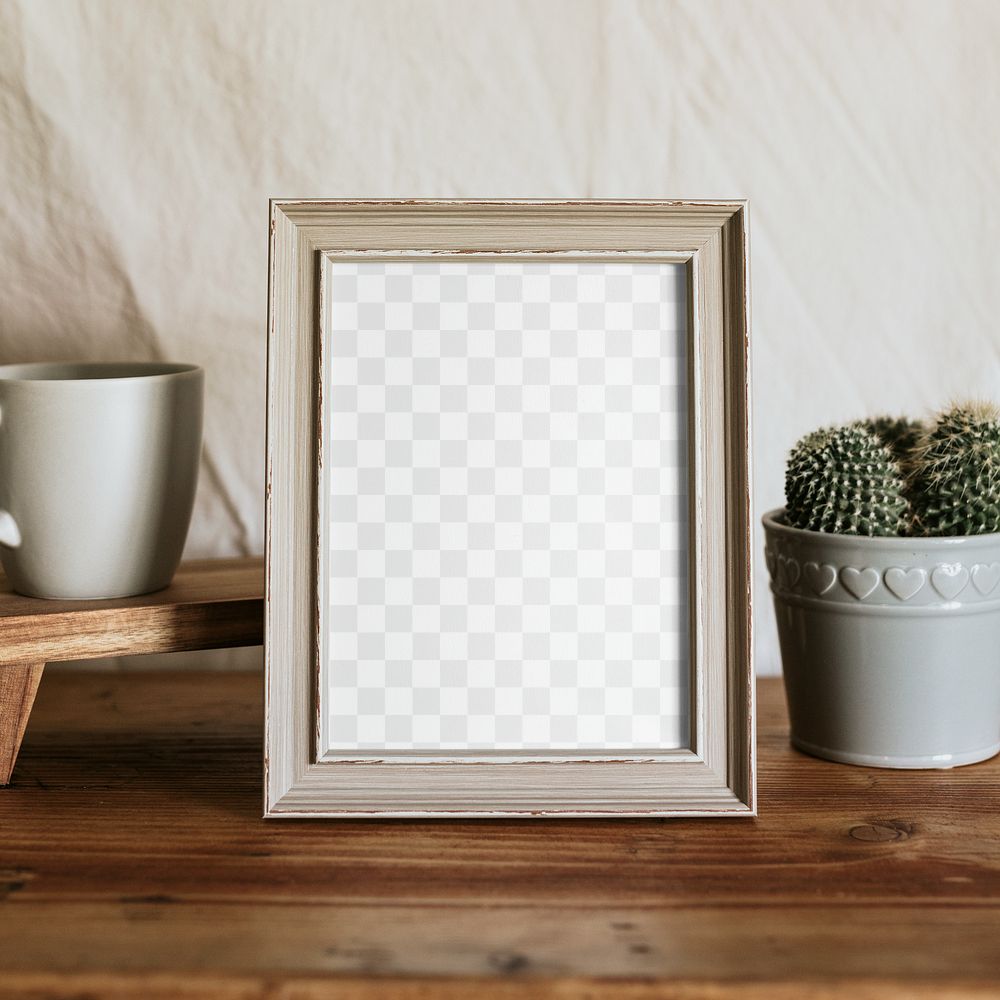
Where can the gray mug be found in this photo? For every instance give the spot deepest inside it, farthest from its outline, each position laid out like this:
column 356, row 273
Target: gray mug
column 98, row 469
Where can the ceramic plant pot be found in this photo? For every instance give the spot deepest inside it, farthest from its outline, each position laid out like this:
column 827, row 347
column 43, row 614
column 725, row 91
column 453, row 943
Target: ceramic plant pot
column 890, row 646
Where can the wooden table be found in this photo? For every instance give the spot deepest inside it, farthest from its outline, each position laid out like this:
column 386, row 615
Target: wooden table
column 133, row 862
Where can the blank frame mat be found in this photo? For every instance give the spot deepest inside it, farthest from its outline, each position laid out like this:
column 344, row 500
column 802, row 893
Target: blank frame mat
column 505, row 476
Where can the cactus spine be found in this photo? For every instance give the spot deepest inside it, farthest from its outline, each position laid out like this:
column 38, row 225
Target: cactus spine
column 899, row 434
column 954, row 475
column 846, row 481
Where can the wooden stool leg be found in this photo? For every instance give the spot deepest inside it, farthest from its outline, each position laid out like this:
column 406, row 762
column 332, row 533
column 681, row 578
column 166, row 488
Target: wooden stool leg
column 18, row 684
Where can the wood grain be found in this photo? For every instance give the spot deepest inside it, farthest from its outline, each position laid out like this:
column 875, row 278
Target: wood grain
column 133, row 863
column 212, row 603
column 18, row 686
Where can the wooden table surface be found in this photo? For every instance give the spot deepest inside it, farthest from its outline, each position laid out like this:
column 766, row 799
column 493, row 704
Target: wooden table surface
column 133, row 862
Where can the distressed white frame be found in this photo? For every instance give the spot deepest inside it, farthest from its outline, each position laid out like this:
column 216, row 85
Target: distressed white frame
column 716, row 774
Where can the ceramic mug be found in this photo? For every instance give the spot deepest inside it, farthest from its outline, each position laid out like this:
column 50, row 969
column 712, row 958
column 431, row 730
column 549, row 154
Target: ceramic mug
column 98, row 469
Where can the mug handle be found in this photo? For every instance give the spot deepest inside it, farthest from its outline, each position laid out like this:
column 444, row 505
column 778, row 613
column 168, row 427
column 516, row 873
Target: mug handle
column 10, row 534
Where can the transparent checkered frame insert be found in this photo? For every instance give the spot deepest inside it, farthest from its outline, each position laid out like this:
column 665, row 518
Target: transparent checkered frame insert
column 505, row 477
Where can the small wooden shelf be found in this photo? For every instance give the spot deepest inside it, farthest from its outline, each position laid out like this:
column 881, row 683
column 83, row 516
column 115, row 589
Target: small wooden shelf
column 211, row 604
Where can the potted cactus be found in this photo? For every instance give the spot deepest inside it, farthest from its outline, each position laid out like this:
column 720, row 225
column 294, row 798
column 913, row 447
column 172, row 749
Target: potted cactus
column 885, row 571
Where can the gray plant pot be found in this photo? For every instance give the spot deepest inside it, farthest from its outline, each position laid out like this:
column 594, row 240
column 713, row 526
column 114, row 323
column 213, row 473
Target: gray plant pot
column 890, row 646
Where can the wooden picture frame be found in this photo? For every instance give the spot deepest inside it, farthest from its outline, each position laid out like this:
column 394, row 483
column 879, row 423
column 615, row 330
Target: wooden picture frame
column 714, row 774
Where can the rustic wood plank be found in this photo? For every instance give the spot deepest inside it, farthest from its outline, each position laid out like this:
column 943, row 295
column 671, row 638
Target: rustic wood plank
column 18, row 685
column 210, row 604
column 604, row 948
column 166, row 986
column 133, row 862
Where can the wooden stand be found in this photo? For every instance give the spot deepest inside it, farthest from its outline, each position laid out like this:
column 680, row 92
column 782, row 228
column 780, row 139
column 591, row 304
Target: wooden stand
column 211, row 604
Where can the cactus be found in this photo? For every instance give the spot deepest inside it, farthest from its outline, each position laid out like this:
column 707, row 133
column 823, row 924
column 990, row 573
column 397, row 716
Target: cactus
column 845, row 480
column 954, row 477
column 899, row 434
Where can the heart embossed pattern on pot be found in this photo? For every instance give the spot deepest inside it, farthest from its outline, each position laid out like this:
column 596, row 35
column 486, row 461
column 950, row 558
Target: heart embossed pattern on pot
column 904, row 583
column 985, row 577
column 771, row 558
column 788, row 570
column 949, row 579
column 820, row 577
column 861, row 583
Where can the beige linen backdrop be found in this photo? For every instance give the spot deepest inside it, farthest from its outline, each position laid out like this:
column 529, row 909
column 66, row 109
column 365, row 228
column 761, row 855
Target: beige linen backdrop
column 140, row 141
